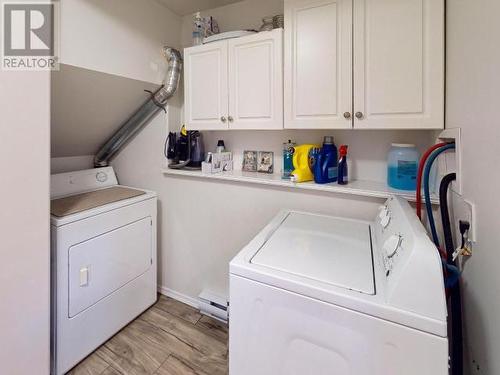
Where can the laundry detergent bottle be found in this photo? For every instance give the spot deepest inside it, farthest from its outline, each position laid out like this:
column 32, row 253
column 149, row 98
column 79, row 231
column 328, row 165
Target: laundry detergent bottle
column 402, row 165
column 325, row 162
column 302, row 163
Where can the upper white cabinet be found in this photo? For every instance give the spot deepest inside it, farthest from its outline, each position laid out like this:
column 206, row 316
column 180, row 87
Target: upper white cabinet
column 318, row 63
column 372, row 64
column 399, row 64
column 235, row 84
column 256, row 81
column 205, row 86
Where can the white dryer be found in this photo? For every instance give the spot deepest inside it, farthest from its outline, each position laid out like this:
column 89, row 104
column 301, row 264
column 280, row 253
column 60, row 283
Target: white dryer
column 103, row 260
column 315, row 294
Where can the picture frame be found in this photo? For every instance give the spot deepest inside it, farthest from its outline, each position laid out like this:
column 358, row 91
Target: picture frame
column 265, row 162
column 249, row 161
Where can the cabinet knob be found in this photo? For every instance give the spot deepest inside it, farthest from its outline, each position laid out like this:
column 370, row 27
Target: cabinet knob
column 359, row 115
column 347, row 115
column 230, row 118
column 223, row 118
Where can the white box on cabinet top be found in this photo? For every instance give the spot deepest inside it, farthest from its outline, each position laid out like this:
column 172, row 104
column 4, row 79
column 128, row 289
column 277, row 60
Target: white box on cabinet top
column 235, row 84
column 369, row 64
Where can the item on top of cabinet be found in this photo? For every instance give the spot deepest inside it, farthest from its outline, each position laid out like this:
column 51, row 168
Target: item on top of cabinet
column 302, row 163
column 221, row 147
column 249, row 161
column 188, row 150
column 288, row 149
column 325, row 162
column 228, row 35
column 210, row 26
column 343, row 177
column 267, row 24
column 198, row 32
column 265, row 162
column 279, row 21
column 219, row 162
column 402, row 166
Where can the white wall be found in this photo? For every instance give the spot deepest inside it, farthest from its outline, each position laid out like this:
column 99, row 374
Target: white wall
column 367, row 148
column 87, row 107
column 473, row 84
column 71, row 163
column 121, row 37
column 24, row 222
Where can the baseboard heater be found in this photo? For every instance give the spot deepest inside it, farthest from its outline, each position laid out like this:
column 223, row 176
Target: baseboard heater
column 214, row 305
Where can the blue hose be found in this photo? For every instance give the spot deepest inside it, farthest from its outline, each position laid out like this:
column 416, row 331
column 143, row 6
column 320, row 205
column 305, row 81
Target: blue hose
column 427, row 194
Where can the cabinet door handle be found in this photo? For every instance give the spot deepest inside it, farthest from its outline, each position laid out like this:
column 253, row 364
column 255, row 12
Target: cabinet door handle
column 359, row 115
column 347, row 115
column 230, row 118
column 223, row 118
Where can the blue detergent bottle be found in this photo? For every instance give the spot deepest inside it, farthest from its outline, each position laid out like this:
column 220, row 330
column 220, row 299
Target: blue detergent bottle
column 325, row 162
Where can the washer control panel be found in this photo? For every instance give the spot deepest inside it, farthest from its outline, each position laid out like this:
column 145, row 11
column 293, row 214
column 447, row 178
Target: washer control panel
column 408, row 267
column 392, row 228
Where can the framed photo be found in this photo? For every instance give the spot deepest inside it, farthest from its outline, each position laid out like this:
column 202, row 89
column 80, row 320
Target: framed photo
column 250, row 161
column 265, row 162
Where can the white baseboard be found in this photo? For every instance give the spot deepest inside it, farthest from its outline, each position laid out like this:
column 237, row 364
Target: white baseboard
column 179, row 296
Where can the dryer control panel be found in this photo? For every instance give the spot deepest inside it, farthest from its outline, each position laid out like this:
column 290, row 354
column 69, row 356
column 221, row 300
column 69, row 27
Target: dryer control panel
column 64, row 184
column 409, row 261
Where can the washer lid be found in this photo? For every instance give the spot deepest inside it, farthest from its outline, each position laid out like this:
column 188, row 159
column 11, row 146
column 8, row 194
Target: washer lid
column 322, row 248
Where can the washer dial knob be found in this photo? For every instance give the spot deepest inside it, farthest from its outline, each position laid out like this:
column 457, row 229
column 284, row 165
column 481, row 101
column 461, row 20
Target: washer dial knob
column 385, row 220
column 392, row 244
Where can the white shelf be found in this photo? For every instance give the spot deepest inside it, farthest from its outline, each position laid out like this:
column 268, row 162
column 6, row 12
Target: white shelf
column 358, row 187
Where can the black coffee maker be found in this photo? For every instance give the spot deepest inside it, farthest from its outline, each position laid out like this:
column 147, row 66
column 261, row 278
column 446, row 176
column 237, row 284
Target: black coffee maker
column 185, row 150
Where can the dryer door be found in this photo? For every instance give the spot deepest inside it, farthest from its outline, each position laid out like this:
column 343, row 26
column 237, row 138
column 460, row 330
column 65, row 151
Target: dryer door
column 103, row 264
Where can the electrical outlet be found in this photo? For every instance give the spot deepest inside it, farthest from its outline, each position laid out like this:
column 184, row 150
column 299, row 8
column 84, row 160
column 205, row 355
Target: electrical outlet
column 466, row 211
column 475, row 367
column 451, row 162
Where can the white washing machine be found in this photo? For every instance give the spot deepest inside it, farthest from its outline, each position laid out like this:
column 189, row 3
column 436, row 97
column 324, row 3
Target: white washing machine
column 103, row 260
column 315, row 294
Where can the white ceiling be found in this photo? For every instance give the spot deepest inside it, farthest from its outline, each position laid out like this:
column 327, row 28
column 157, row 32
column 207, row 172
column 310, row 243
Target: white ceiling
column 184, row 7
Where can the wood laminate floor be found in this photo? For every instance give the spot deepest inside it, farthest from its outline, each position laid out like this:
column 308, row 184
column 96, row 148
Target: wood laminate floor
column 170, row 338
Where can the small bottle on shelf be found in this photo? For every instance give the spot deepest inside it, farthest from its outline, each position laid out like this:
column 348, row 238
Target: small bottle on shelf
column 343, row 176
column 288, row 159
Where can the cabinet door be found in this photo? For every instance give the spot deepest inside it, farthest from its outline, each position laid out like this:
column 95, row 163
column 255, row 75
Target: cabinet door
column 256, row 81
column 318, row 63
column 205, row 87
column 399, row 64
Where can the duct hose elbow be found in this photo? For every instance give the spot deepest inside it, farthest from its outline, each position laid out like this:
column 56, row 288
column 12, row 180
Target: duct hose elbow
column 174, row 70
column 144, row 114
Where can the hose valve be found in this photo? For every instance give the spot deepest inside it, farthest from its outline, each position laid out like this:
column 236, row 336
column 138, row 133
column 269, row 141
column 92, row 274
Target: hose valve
column 465, row 248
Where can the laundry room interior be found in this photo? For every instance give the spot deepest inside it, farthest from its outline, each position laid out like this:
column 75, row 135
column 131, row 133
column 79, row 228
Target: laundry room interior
column 250, row 187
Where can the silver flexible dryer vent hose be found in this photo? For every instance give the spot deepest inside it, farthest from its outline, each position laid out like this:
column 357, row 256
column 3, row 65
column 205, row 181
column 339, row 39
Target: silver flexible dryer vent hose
column 145, row 113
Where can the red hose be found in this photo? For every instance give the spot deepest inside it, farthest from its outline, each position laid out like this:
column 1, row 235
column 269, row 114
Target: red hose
column 419, row 176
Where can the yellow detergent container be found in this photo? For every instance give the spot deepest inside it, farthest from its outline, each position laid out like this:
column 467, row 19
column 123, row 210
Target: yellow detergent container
column 301, row 163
